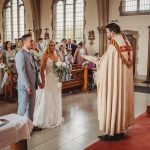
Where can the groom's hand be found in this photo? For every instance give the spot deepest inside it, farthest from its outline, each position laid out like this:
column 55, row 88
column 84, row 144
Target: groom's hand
column 29, row 90
column 40, row 86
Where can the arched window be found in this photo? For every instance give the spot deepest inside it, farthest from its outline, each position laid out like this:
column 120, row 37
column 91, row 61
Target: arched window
column 130, row 7
column 59, row 20
column 68, row 20
column 13, row 15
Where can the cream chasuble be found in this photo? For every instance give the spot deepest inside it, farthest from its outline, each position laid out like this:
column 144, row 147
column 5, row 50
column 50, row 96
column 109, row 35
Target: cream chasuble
column 115, row 100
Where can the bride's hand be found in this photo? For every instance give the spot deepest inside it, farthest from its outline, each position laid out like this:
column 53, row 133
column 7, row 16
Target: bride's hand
column 40, row 85
column 43, row 85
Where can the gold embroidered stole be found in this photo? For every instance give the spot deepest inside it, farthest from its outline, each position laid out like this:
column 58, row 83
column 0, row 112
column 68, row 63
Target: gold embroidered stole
column 128, row 62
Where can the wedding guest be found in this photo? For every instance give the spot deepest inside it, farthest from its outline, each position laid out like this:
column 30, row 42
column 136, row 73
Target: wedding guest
column 15, row 44
column 1, row 45
column 9, row 52
column 79, row 52
column 62, row 52
column 69, row 61
column 1, row 70
column 36, row 51
column 19, row 45
column 71, row 47
column 41, row 44
column 64, row 42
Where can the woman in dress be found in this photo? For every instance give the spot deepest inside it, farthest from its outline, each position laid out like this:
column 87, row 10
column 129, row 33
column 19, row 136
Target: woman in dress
column 81, row 50
column 1, row 70
column 62, row 52
column 19, row 45
column 10, row 53
column 48, row 108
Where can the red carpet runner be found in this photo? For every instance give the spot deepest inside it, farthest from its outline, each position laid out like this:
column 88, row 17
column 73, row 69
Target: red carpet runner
column 137, row 138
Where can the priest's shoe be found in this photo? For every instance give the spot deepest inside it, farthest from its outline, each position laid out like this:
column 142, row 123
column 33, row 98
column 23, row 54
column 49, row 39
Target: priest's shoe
column 110, row 138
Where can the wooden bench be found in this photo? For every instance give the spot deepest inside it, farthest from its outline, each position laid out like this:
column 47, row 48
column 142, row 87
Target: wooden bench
column 79, row 79
column 9, row 89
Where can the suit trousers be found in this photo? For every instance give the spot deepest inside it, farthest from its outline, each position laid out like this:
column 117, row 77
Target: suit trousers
column 26, row 103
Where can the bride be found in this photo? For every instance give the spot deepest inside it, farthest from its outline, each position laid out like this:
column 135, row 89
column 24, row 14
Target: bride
column 48, row 108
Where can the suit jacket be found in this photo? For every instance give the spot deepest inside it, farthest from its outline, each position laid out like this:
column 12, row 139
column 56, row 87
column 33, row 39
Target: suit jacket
column 27, row 71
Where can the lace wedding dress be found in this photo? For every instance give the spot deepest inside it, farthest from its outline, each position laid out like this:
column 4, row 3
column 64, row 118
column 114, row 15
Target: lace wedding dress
column 48, row 107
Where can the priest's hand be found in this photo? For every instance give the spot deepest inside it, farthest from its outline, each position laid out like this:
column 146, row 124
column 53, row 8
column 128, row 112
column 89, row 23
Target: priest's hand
column 40, row 86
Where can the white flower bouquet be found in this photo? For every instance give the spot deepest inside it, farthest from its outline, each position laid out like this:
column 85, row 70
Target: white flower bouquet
column 11, row 60
column 61, row 69
column 6, row 68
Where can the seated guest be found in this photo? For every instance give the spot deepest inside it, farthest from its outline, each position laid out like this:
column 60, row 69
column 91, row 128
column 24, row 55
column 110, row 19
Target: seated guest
column 1, row 70
column 64, row 42
column 1, row 45
column 35, row 51
column 15, row 44
column 69, row 61
column 41, row 44
column 71, row 47
column 10, row 53
column 19, row 45
column 78, row 53
column 62, row 52
column 74, row 42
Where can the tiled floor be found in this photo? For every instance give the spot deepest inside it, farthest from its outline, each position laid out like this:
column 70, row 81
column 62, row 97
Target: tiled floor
column 80, row 127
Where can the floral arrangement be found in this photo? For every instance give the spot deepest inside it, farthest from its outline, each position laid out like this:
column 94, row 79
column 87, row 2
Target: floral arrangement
column 61, row 69
column 6, row 68
column 11, row 60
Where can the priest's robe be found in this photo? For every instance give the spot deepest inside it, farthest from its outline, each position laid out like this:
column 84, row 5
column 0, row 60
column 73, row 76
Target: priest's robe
column 115, row 93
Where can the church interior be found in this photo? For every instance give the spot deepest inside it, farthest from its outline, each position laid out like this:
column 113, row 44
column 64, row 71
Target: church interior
column 76, row 22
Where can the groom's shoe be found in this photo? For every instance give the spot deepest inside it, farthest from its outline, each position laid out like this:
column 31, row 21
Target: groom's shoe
column 36, row 128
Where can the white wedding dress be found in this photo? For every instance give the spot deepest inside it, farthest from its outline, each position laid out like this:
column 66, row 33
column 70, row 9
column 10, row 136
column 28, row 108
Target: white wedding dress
column 48, row 107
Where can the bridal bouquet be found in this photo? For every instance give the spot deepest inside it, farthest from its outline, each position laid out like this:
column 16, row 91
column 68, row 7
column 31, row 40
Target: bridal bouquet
column 61, row 69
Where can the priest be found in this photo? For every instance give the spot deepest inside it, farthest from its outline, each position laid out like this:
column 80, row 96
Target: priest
column 115, row 100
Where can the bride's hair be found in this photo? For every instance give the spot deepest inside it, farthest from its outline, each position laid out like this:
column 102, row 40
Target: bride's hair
column 47, row 43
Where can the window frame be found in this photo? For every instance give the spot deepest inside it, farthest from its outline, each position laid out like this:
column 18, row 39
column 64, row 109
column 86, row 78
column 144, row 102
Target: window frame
column 5, row 7
column 54, row 4
column 132, row 13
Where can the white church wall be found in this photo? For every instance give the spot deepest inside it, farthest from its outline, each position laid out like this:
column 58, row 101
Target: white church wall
column 28, row 16
column 138, row 23
column 91, row 18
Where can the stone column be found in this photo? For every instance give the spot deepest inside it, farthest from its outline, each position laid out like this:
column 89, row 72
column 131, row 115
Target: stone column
column 148, row 62
column 37, row 33
column 36, row 10
column 103, row 14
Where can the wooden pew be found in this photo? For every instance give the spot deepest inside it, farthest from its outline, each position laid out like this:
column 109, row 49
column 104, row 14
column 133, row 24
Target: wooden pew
column 79, row 79
column 12, row 83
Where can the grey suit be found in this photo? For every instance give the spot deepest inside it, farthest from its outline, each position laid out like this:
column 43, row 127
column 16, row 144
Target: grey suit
column 27, row 77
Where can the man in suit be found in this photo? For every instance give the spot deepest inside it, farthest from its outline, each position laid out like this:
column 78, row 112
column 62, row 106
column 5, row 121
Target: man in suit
column 71, row 47
column 27, row 78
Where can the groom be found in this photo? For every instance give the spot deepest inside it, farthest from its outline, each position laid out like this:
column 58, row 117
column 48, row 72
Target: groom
column 27, row 79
